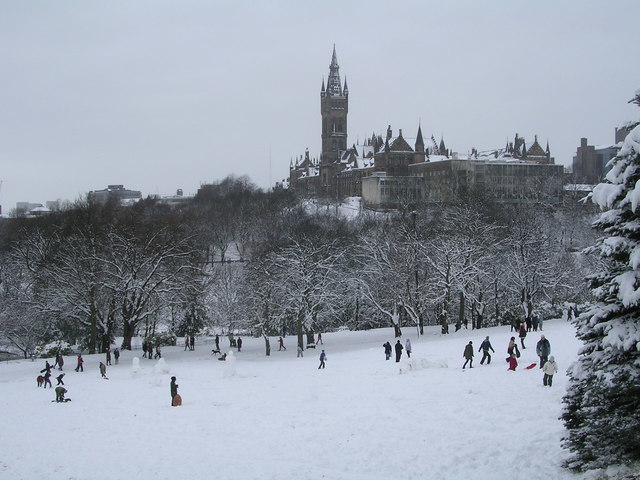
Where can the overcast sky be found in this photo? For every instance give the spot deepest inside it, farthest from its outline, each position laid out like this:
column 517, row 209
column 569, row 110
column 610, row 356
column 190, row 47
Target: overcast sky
column 159, row 95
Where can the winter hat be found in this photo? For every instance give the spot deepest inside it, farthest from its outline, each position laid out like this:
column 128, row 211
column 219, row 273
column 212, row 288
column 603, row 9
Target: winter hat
column 552, row 359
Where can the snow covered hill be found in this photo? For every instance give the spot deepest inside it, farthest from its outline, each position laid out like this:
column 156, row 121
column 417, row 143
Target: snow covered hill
column 280, row 417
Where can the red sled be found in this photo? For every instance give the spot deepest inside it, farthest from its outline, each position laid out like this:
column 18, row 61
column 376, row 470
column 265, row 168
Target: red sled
column 533, row 365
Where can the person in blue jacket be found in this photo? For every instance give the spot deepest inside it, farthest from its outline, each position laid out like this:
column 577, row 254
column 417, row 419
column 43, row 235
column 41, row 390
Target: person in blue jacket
column 485, row 346
column 323, row 358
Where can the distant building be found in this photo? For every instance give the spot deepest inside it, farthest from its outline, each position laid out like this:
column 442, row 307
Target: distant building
column 386, row 171
column 174, row 200
column 590, row 161
column 117, row 193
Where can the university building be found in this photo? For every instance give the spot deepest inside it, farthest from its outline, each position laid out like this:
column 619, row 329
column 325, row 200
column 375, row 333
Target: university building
column 387, row 170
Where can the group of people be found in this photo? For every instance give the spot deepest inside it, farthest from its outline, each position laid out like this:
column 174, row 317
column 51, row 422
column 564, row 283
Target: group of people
column 543, row 350
column 388, row 349
column 147, row 351
column 190, row 342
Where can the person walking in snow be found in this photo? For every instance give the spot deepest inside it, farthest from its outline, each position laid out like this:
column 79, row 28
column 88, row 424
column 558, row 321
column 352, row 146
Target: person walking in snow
column 192, row 343
column 319, row 342
column 59, row 360
column 108, row 356
column 549, row 369
column 299, row 350
column 79, row 367
column 323, row 358
column 174, row 390
column 523, row 334
column 408, row 348
column 513, row 363
column 59, row 379
column 387, row 350
column 150, row 350
column 239, row 343
column 218, row 342
column 468, row 355
column 103, row 370
column 116, row 355
column 398, row 347
column 540, row 321
column 144, row 349
column 281, row 343
column 543, row 349
column 569, row 313
column 186, row 343
column 485, row 346
column 158, row 353
column 534, row 321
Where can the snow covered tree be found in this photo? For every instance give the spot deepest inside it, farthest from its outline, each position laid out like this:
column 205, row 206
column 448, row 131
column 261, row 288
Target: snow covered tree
column 602, row 404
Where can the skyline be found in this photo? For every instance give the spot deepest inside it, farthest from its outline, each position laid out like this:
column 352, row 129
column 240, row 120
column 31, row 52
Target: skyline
column 158, row 96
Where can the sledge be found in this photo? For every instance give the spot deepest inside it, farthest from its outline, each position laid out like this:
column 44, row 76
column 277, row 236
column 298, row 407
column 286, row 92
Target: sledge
column 533, row 365
column 177, row 400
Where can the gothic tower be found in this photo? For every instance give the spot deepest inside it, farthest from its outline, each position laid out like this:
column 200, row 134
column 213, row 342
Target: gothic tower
column 334, row 105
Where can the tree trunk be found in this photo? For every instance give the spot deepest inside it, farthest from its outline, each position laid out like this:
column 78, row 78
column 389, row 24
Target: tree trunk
column 299, row 324
column 267, row 345
column 460, row 312
column 127, row 334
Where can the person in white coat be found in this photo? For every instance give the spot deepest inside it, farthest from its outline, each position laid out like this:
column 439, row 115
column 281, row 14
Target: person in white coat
column 407, row 348
column 550, row 368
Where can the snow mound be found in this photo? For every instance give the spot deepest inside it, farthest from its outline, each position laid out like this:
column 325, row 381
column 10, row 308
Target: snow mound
column 417, row 363
column 161, row 367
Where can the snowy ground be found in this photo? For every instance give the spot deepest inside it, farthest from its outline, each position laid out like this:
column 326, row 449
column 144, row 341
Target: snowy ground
column 282, row 418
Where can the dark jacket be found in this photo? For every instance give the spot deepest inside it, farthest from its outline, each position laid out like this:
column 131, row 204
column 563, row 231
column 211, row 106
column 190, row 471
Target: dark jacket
column 486, row 346
column 398, row 347
column 468, row 351
column 543, row 348
column 174, row 388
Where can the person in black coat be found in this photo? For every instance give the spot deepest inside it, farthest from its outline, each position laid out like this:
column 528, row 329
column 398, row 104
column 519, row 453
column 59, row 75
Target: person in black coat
column 468, row 355
column 543, row 350
column 239, row 343
column 522, row 334
column 174, row 389
column 485, row 346
column 387, row 350
column 59, row 379
column 398, row 348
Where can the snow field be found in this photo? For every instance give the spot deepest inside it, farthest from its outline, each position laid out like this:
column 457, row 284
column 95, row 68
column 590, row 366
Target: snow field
column 282, row 418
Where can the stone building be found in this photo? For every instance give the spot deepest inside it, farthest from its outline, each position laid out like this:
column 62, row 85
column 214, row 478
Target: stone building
column 386, row 171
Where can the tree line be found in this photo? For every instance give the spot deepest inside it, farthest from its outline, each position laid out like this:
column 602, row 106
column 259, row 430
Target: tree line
column 236, row 258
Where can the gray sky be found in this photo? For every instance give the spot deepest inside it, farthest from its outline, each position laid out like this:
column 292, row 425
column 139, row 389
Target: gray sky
column 159, row 95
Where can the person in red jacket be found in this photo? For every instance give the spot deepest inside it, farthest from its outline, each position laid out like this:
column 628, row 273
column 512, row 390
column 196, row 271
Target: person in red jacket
column 80, row 368
column 513, row 363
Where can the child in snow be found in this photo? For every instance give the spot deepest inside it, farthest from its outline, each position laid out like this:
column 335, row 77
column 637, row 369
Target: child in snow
column 408, row 348
column 513, row 363
column 550, row 367
column 116, row 355
column 103, row 370
column 323, row 358
column 174, row 393
column 281, row 342
column 80, row 368
column 59, row 379
column 299, row 351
